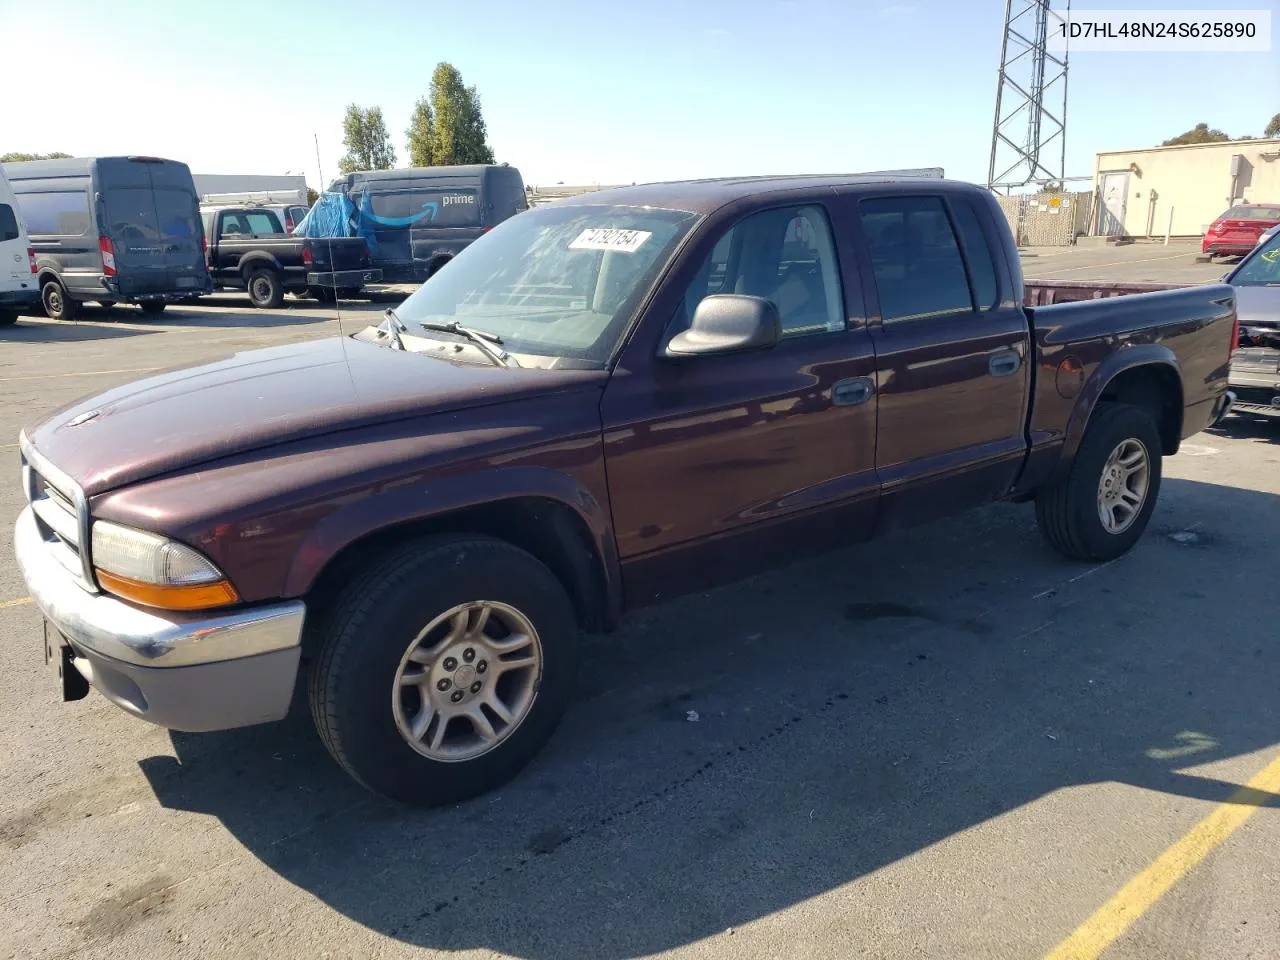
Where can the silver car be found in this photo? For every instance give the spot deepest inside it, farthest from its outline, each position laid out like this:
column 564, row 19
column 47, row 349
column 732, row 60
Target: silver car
column 1255, row 366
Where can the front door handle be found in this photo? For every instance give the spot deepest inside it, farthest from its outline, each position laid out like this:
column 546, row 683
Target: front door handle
column 1004, row 363
column 855, row 390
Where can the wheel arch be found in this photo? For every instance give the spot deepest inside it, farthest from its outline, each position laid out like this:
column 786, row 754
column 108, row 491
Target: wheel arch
column 1146, row 376
column 254, row 261
column 567, row 532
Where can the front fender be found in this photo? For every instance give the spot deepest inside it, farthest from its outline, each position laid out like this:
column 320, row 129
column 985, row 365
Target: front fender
column 1128, row 358
column 437, row 497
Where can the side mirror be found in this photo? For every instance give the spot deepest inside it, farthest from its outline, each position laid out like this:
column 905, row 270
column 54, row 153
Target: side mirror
column 728, row 323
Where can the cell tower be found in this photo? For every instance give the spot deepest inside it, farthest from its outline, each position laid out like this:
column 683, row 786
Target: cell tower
column 1029, row 137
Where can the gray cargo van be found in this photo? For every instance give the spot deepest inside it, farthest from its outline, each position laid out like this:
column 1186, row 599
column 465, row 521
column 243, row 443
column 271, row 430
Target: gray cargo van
column 417, row 219
column 112, row 230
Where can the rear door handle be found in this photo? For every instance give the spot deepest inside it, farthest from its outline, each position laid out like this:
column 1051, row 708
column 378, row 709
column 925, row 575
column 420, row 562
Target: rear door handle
column 1004, row 363
column 855, row 390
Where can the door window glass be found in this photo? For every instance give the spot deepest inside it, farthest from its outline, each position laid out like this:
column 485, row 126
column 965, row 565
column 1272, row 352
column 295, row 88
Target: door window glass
column 785, row 255
column 8, row 223
column 916, row 259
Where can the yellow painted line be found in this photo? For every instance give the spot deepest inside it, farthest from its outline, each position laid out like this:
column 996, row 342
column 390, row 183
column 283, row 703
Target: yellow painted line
column 85, row 373
column 1137, row 896
column 14, row 603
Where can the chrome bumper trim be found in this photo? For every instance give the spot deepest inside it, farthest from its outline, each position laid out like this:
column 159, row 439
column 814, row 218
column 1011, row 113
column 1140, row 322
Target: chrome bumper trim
column 112, row 628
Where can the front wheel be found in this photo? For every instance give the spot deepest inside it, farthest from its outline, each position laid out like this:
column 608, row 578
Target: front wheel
column 266, row 292
column 1100, row 509
column 444, row 671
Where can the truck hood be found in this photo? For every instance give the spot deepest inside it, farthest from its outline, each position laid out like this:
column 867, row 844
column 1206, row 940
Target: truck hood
column 1258, row 306
column 195, row 414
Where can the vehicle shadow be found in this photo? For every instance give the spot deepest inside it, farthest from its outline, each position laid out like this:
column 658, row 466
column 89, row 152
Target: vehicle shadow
column 733, row 754
column 1265, row 430
column 90, row 325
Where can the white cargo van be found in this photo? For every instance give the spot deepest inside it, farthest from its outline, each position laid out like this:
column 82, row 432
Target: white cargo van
column 19, row 289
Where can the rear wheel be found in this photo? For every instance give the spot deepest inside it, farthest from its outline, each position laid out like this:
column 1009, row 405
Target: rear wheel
column 1100, row 509
column 57, row 305
column 266, row 292
column 153, row 308
column 444, row 671
column 8, row 318
column 323, row 294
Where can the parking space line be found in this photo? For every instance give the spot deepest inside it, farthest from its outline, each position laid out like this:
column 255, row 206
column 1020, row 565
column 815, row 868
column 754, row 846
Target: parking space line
column 14, row 603
column 1095, row 266
column 83, row 373
column 1137, row 896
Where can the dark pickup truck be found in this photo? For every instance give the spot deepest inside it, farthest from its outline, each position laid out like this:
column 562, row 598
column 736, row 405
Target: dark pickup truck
column 600, row 404
column 249, row 250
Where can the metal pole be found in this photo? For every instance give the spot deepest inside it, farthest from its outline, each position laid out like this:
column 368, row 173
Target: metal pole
column 995, row 130
column 1168, row 227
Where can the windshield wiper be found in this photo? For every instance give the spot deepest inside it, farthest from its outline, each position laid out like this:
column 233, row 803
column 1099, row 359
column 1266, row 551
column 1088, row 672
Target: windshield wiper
column 392, row 326
column 481, row 338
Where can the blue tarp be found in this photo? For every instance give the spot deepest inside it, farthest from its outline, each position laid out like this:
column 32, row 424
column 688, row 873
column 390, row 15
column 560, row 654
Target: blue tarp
column 329, row 216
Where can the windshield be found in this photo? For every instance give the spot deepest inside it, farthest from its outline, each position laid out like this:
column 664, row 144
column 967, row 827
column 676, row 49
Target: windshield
column 554, row 281
column 1262, row 268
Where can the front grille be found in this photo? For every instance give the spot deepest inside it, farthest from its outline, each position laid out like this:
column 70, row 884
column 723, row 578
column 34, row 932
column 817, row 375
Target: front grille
column 61, row 513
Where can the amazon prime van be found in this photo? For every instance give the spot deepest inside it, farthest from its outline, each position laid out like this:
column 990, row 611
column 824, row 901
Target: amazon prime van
column 416, row 219
column 112, row 230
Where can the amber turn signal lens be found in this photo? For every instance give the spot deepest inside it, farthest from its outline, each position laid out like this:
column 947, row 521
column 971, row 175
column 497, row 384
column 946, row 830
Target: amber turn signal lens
column 198, row 596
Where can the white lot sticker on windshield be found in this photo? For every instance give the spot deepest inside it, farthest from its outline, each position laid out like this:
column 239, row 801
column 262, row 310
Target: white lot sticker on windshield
column 610, row 238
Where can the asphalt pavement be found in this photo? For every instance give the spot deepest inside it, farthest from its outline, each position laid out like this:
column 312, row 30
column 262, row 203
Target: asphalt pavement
column 948, row 743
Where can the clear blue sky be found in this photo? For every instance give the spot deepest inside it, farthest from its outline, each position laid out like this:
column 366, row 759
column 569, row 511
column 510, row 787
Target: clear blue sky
column 583, row 92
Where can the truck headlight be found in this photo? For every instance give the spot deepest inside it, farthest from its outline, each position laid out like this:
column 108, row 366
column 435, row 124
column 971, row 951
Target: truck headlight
column 155, row 571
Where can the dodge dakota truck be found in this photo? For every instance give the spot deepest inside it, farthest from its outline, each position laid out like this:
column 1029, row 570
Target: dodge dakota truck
column 601, row 404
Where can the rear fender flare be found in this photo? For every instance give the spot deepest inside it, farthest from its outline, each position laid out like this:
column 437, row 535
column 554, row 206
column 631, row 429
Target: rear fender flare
column 435, row 498
column 254, row 261
column 1129, row 358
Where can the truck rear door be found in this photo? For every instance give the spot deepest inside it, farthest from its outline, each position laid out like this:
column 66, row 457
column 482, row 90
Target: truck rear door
column 952, row 346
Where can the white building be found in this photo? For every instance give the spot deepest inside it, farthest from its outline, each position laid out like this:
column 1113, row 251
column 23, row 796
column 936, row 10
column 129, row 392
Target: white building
column 1137, row 190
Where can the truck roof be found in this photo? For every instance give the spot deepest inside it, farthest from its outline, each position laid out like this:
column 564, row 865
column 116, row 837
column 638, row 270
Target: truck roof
column 705, row 196
column 69, row 166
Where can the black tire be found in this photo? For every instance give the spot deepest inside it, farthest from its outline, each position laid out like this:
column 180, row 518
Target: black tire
column 323, row 294
column 106, row 304
column 1067, row 511
column 57, row 305
column 266, row 292
column 371, row 627
column 436, row 266
column 8, row 318
column 349, row 293
column 153, row 308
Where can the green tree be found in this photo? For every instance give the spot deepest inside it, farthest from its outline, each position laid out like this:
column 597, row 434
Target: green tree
column 312, row 195
column 421, row 134
column 459, row 134
column 364, row 134
column 23, row 157
column 1273, row 127
column 1200, row 133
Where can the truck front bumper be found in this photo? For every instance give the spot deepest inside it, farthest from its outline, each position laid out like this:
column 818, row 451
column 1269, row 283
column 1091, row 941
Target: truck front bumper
column 211, row 670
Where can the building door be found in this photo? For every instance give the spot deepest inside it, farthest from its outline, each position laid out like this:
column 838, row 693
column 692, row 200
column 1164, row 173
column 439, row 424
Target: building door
column 1114, row 189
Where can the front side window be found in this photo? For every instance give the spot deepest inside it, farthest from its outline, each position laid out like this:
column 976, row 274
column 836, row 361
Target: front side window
column 55, row 213
column 916, row 258
column 785, row 255
column 558, row 281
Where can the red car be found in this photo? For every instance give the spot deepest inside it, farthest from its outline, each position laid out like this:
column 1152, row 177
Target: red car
column 1237, row 231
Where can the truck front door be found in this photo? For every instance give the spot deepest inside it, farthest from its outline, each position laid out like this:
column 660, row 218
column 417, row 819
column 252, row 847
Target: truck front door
column 721, row 465
column 952, row 347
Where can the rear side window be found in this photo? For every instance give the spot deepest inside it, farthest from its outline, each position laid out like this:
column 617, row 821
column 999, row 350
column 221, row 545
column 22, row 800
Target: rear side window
column 916, row 258
column 982, row 266
column 55, row 213
column 1253, row 213
column 263, row 224
column 8, row 223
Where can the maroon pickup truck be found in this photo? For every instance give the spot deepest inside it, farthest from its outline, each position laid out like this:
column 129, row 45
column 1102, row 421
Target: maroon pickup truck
column 602, row 403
